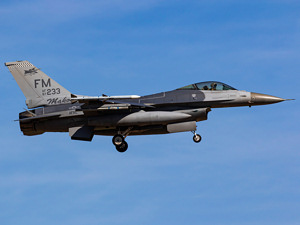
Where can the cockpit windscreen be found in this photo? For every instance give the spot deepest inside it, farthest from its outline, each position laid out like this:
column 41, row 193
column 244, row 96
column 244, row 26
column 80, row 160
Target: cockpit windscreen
column 214, row 86
column 208, row 86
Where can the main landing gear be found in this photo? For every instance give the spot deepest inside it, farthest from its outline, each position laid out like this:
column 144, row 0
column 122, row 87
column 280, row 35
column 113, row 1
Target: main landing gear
column 119, row 140
column 196, row 138
column 120, row 143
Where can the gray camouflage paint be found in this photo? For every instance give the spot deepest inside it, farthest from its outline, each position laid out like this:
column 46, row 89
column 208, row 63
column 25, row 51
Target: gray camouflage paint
column 55, row 109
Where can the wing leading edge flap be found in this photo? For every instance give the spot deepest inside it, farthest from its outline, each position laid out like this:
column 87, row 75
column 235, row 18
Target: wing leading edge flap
column 84, row 133
column 125, row 99
column 130, row 103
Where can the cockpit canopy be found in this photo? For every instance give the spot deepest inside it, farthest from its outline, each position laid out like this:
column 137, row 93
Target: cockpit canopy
column 209, row 86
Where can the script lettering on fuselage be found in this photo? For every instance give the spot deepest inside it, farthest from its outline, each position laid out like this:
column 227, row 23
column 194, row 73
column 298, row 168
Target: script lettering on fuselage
column 55, row 101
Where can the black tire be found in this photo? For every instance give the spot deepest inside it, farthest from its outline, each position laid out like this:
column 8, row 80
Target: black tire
column 118, row 140
column 197, row 138
column 123, row 147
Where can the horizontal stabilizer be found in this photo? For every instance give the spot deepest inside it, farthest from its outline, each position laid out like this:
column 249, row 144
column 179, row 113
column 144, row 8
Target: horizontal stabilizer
column 40, row 117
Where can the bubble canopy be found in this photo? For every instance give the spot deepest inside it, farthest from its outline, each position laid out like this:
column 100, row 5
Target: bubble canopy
column 208, row 86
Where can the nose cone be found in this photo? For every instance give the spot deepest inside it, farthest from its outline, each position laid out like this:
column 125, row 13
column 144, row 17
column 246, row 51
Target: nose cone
column 262, row 99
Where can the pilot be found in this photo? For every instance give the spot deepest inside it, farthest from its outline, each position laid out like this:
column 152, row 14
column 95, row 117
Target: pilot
column 213, row 86
column 205, row 88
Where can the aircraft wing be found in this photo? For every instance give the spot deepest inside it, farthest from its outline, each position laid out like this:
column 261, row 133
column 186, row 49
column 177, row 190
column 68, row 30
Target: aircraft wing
column 130, row 103
column 83, row 98
column 123, row 99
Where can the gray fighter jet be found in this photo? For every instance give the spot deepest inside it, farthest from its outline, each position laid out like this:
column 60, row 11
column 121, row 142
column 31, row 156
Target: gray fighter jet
column 55, row 109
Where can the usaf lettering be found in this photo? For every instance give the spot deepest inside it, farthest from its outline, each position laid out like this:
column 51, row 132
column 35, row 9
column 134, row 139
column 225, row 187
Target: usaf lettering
column 44, row 83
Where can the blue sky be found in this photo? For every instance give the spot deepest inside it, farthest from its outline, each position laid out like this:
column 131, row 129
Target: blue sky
column 245, row 171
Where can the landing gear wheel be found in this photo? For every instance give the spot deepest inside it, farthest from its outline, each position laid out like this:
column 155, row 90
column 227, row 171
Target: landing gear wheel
column 123, row 147
column 197, row 138
column 118, row 140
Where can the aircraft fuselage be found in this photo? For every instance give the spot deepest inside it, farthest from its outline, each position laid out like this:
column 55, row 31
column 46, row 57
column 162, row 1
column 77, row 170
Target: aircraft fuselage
column 52, row 108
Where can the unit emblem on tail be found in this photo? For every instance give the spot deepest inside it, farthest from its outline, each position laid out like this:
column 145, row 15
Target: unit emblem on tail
column 30, row 71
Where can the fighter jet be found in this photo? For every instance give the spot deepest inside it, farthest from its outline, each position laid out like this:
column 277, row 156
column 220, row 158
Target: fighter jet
column 52, row 108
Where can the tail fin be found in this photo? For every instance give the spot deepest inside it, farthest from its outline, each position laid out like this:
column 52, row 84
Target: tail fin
column 38, row 88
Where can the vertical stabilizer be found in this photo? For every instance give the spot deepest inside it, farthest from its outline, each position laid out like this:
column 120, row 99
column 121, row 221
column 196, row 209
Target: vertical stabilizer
column 38, row 88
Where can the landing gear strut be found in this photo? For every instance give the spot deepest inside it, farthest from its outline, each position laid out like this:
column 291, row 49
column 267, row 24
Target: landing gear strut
column 196, row 138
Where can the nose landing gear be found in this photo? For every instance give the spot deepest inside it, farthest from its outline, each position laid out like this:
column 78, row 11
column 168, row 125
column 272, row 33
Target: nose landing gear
column 196, row 138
